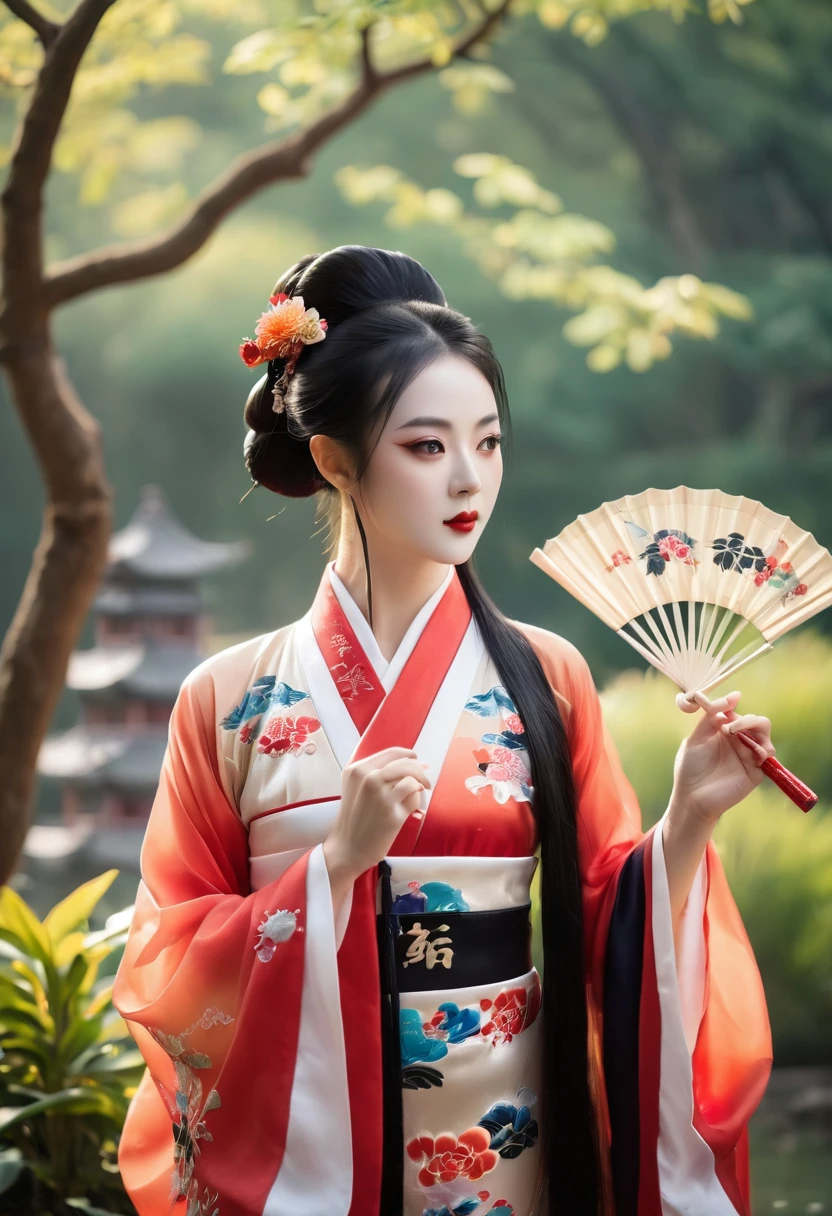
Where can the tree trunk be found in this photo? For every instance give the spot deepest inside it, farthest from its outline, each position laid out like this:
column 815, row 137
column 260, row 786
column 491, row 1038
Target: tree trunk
column 63, row 577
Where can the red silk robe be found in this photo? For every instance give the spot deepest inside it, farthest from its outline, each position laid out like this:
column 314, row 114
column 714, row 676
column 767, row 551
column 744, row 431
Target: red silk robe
column 256, row 1002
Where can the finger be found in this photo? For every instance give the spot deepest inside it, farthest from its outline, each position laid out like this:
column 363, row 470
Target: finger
column 381, row 758
column 707, row 726
column 690, row 702
column 403, row 768
column 403, row 790
column 360, row 770
column 753, row 723
column 756, row 728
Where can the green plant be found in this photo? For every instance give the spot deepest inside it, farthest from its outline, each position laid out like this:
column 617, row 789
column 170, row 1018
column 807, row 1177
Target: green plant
column 68, row 1066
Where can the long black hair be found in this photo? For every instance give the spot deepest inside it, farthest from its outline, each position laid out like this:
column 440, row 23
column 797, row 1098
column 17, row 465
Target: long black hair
column 387, row 320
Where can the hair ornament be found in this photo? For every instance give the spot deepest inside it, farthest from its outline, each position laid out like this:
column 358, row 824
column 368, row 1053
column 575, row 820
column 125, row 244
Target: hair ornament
column 282, row 333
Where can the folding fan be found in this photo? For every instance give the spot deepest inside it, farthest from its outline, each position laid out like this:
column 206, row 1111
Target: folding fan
column 698, row 582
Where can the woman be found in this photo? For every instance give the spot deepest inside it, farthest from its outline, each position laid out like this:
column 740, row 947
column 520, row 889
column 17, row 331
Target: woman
column 329, row 969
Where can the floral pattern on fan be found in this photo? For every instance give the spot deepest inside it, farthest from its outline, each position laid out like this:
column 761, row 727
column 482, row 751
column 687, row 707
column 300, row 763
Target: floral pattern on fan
column 732, row 553
column 668, row 545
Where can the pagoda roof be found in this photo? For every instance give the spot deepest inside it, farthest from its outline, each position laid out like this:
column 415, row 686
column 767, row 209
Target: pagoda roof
column 116, row 757
column 121, row 599
column 155, row 545
column 148, row 669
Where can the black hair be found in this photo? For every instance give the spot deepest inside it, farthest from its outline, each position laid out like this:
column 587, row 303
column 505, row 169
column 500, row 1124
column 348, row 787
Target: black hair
column 387, row 320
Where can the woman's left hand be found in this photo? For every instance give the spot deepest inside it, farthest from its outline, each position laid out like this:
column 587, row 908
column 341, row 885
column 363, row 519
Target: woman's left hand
column 714, row 771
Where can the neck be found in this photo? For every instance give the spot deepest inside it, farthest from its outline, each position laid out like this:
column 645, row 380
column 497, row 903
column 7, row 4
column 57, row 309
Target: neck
column 402, row 583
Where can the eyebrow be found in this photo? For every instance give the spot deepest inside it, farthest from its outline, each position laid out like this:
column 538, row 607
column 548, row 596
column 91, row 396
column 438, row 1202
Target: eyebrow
column 443, row 422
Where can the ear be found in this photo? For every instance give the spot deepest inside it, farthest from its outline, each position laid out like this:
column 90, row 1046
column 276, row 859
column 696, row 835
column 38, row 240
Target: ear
column 333, row 461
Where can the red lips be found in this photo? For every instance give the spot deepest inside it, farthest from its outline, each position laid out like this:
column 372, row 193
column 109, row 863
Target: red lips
column 463, row 522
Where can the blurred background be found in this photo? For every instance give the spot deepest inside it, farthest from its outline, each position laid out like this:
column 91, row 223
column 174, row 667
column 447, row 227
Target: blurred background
column 655, row 148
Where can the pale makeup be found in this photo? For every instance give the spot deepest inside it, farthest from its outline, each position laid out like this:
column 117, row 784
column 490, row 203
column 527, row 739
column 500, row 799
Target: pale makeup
column 438, row 455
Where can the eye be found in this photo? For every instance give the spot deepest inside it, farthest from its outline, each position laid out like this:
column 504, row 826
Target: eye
column 494, row 440
column 432, row 447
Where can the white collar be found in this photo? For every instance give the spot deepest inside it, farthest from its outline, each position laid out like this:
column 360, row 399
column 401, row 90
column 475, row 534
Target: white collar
column 388, row 672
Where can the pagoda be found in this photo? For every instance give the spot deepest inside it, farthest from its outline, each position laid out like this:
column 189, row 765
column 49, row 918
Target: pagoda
column 149, row 633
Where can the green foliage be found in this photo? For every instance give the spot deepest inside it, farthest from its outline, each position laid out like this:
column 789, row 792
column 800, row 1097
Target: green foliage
column 540, row 252
column 590, row 20
column 778, row 861
column 68, row 1066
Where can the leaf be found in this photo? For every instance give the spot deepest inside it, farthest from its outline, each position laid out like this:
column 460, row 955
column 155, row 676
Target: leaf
column 419, row 1076
column 79, row 1100
column 17, row 918
column 21, row 1021
column 12, row 1165
column 603, row 358
column 84, row 1206
column 258, row 52
column 111, row 1063
column 273, row 99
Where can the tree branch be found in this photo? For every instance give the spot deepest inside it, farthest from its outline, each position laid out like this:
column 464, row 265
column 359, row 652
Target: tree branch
column 368, row 71
column 46, row 30
column 22, row 198
column 279, row 161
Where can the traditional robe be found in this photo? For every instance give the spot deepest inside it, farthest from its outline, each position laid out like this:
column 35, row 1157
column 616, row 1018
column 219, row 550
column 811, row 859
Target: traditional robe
column 256, row 1003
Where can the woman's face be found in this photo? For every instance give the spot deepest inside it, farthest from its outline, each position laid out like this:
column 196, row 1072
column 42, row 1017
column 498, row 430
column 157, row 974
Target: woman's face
column 438, row 456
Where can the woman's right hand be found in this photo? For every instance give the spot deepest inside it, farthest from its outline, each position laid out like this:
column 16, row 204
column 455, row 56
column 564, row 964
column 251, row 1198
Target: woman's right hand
column 378, row 794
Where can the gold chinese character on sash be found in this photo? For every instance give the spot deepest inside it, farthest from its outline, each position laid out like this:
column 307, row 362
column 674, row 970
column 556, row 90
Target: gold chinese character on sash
column 421, row 950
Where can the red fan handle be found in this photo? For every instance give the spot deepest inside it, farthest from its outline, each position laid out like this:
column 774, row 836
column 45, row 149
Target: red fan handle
column 783, row 778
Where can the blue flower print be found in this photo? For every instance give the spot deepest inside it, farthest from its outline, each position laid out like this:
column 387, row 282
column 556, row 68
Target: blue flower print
column 416, row 1046
column 429, row 897
column 472, row 1204
column 488, row 704
column 512, row 1128
column 264, row 694
column 418, row 1052
column 503, row 762
column 458, row 1024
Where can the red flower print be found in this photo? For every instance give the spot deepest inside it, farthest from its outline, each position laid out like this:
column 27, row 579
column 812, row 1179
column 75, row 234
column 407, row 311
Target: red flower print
column 514, row 724
column 763, row 575
column 285, row 733
column 801, row 589
column 672, row 546
column 511, row 1012
column 507, row 763
column 447, row 1157
column 619, row 558
column 247, row 733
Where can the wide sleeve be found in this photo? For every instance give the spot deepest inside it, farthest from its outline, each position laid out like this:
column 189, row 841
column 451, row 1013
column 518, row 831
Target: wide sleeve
column 686, row 1041
column 211, row 986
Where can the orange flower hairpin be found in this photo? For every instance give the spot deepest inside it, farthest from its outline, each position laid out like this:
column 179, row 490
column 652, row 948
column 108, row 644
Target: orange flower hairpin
column 282, row 333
